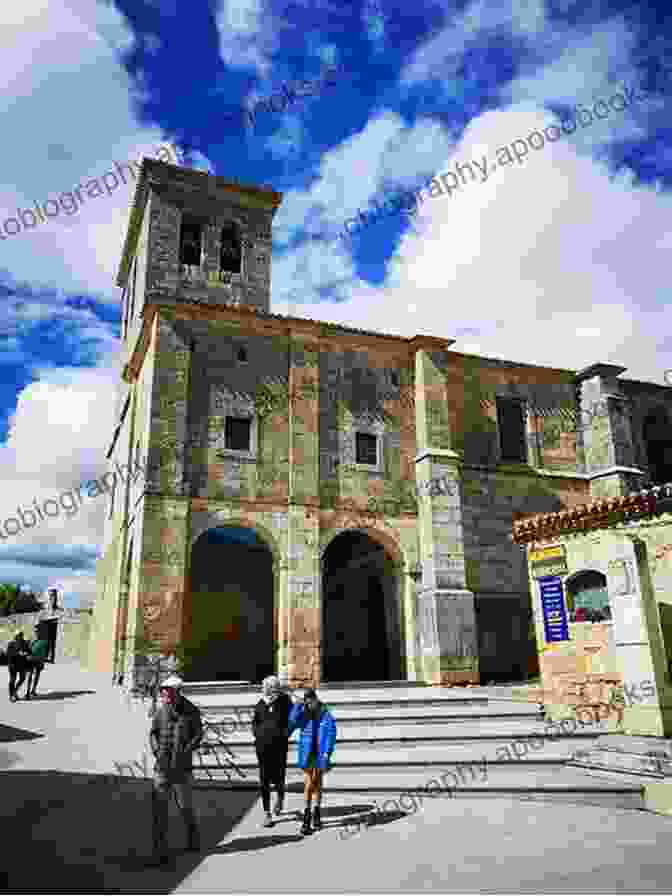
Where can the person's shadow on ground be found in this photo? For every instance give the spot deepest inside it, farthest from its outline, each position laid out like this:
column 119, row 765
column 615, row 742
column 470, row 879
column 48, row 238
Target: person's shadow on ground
column 8, row 734
column 60, row 695
column 242, row 844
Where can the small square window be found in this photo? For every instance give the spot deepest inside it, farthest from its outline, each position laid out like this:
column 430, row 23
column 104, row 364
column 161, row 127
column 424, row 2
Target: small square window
column 237, row 433
column 241, row 355
column 366, row 449
column 394, row 378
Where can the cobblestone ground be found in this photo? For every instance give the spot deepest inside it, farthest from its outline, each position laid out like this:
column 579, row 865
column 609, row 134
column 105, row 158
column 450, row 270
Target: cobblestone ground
column 71, row 826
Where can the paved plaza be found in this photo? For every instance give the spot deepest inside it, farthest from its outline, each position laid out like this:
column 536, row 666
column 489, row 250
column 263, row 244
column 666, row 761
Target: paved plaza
column 68, row 827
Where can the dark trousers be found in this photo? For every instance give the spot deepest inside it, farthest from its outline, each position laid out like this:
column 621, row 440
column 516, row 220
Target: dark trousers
column 272, row 759
column 16, row 671
column 162, row 788
column 35, row 670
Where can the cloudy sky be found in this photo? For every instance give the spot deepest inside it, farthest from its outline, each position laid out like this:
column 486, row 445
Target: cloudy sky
column 556, row 259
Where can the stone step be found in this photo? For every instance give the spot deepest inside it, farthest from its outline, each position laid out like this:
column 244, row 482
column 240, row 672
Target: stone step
column 552, row 782
column 394, row 714
column 420, row 730
column 435, row 746
column 637, row 757
column 400, row 698
column 367, row 691
column 393, row 751
column 616, row 775
column 222, row 702
column 604, row 760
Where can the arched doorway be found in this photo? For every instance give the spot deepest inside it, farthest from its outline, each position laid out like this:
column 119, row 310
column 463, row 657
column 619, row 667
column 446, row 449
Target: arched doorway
column 361, row 616
column 230, row 631
column 657, row 432
column 587, row 597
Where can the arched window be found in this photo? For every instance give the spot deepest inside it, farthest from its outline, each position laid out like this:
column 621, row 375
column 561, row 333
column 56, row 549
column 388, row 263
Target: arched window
column 657, row 432
column 191, row 235
column 231, row 249
column 587, row 597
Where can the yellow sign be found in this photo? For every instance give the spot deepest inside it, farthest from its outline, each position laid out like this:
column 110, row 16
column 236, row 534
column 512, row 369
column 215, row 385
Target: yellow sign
column 548, row 561
column 545, row 555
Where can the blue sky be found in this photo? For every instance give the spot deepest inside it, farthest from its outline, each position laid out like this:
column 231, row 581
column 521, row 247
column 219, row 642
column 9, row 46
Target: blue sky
column 561, row 259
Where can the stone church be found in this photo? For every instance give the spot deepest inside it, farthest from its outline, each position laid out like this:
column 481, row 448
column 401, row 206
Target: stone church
column 332, row 504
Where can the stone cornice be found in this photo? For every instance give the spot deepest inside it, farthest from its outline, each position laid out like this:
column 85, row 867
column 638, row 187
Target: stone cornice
column 597, row 514
column 599, row 369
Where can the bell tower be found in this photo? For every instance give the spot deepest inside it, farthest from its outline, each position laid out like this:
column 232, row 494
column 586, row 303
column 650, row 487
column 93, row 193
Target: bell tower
column 193, row 237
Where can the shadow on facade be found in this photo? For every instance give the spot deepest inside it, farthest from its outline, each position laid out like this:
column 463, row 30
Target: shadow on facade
column 229, row 624
column 361, row 621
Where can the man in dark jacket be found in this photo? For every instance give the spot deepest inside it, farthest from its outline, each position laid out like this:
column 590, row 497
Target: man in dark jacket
column 176, row 732
column 271, row 740
column 17, row 660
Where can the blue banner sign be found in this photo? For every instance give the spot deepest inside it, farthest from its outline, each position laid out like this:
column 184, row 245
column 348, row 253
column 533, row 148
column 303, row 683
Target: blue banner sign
column 553, row 608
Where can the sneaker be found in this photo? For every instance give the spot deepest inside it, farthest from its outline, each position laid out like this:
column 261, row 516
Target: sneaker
column 278, row 806
column 268, row 820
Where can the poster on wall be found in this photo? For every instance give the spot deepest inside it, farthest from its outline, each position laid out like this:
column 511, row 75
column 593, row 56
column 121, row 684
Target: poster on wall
column 553, row 609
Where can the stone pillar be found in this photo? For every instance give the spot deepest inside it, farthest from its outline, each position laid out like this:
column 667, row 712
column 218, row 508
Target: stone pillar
column 168, row 433
column 604, row 433
column 121, row 645
column 637, row 639
column 302, row 608
column 447, row 634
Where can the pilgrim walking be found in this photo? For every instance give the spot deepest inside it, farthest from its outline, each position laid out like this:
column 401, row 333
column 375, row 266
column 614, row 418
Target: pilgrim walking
column 270, row 726
column 39, row 649
column 316, row 745
column 176, row 731
column 18, row 653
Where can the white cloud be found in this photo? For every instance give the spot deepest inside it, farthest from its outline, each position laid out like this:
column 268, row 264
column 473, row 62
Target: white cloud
column 59, row 436
column 53, row 147
column 534, row 262
column 441, row 56
column 384, row 155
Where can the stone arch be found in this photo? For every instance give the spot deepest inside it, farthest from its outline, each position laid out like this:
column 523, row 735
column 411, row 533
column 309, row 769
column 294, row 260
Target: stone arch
column 385, row 539
column 363, row 619
column 231, row 606
column 210, row 519
column 230, row 244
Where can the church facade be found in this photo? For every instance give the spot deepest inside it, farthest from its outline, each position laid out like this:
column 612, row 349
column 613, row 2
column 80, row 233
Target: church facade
column 320, row 501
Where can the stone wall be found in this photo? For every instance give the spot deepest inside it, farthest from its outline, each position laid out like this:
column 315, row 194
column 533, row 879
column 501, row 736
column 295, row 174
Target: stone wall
column 635, row 647
column 207, row 346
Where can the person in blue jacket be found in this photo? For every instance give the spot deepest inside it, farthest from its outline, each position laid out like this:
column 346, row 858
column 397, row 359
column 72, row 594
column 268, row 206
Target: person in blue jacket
column 316, row 745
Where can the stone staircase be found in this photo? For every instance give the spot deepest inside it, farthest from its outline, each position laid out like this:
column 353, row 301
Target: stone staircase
column 645, row 759
column 395, row 737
